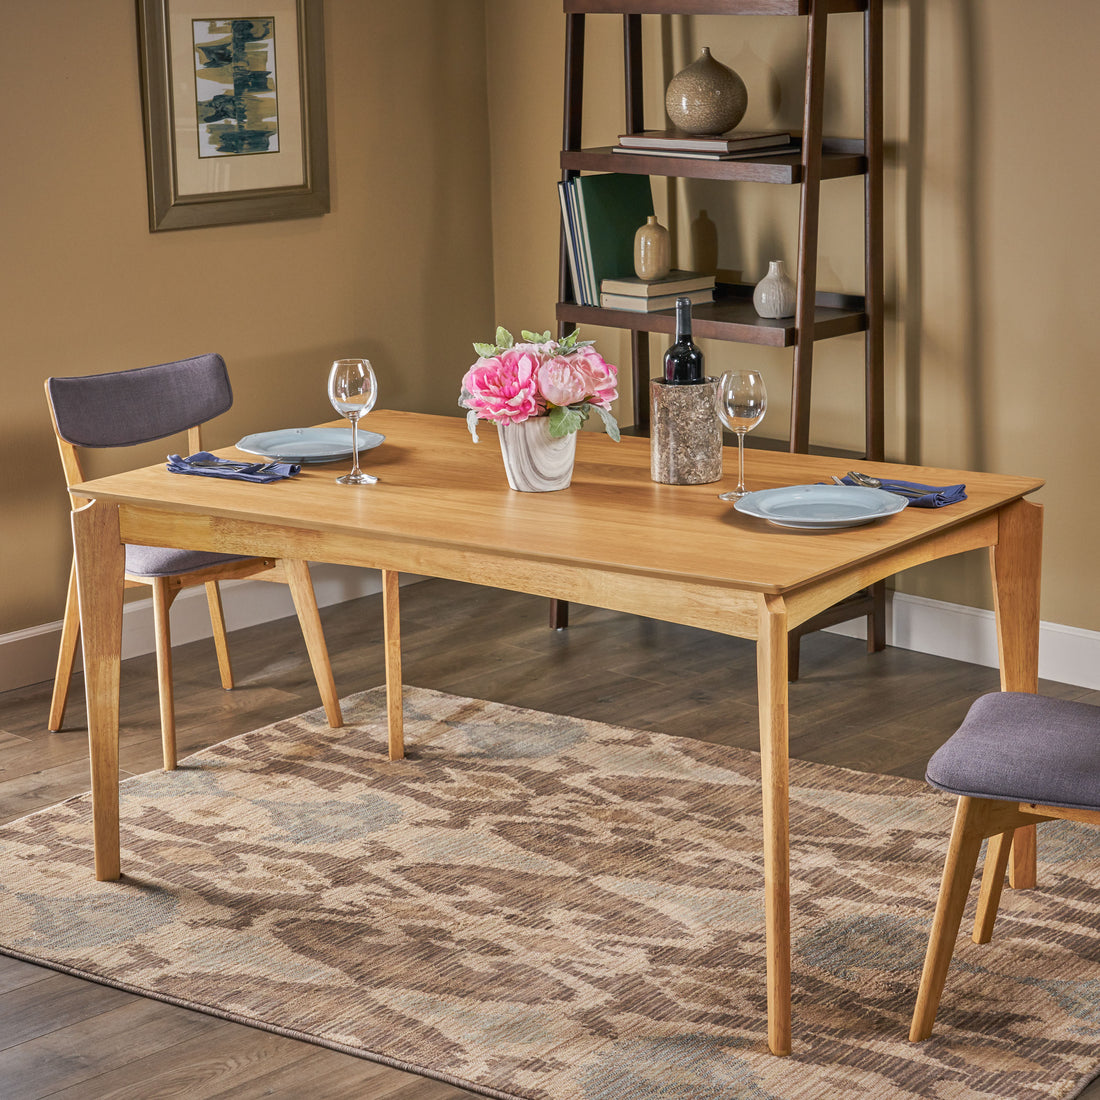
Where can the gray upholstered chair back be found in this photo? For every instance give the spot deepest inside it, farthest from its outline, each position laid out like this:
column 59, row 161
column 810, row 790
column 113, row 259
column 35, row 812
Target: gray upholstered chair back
column 135, row 406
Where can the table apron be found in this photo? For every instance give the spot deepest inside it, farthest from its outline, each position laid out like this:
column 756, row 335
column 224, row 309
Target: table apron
column 804, row 603
column 716, row 606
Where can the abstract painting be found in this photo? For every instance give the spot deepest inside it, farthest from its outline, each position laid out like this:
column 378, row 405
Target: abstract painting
column 235, row 96
column 234, row 111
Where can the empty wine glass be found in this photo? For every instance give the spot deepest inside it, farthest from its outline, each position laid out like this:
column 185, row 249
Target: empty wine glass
column 353, row 390
column 742, row 399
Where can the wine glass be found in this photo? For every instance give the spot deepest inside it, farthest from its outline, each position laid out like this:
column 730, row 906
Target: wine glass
column 742, row 399
column 353, row 390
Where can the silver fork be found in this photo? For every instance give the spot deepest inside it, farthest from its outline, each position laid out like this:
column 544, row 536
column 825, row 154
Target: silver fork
column 225, row 464
column 874, row 483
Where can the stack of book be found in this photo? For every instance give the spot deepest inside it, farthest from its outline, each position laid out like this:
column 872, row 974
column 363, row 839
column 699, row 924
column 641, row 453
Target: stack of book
column 601, row 214
column 731, row 146
column 636, row 296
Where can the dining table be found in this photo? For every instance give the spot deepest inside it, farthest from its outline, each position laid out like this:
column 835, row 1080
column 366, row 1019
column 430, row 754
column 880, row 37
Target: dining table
column 613, row 539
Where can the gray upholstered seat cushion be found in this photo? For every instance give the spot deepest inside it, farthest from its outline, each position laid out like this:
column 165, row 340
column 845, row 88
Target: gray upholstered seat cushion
column 1025, row 748
column 160, row 561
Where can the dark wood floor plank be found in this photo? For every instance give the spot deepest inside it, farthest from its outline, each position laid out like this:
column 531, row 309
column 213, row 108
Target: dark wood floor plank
column 15, row 973
column 140, row 1028
column 884, row 712
column 57, row 1001
column 209, row 1065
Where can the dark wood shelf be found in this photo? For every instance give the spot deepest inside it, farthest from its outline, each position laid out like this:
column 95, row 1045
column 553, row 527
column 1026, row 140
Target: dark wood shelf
column 811, row 159
column 786, row 168
column 731, row 316
column 710, row 7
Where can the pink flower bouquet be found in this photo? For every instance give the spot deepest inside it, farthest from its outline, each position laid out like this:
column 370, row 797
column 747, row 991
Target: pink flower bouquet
column 564, row 380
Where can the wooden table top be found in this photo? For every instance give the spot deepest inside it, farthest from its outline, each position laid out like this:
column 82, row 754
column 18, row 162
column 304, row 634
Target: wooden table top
column 439, row 489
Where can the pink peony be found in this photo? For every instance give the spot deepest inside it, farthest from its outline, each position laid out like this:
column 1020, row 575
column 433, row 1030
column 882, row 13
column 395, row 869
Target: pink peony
column 600, row 377
column 560, row 379
column 561, row 382
column 505, row 387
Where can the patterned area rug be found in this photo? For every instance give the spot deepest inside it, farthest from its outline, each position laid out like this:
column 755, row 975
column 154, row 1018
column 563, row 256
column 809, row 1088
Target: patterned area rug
column 541, row 907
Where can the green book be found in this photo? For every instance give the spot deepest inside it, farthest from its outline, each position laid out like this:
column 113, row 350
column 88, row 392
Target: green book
column 612, row 208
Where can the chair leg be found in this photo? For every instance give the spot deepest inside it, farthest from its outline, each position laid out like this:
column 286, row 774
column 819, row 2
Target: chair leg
column 305, row 603
column 221, row 642
column 993, row 880
column 162, row 601
column 958, row 873
column 66, row 655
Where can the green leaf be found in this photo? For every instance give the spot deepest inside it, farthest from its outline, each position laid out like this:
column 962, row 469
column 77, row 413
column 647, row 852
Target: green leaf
column 611, row 425
column 535, row 338
column 486, row 351
column 504, row 338
column 565, row 419
column 471, row 423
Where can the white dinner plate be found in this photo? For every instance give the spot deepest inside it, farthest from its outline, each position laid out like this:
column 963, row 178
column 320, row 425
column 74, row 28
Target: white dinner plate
column 307, row 444
column 820, row 507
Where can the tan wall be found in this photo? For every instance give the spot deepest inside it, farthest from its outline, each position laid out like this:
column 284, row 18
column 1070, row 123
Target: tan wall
column 991, row 238
column 399, row 271
column 991, row 234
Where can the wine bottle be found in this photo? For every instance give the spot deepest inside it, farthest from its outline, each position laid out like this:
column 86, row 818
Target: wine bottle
column 683, row 361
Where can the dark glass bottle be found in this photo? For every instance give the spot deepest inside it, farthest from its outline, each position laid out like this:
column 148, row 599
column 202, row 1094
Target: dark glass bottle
column 683, row 361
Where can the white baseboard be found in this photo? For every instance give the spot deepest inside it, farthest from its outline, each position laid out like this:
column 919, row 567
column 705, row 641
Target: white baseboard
column 30, row 656
column 1067, row 654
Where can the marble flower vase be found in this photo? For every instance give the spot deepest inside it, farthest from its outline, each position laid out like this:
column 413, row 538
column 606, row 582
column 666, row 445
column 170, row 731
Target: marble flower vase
column 534, row 460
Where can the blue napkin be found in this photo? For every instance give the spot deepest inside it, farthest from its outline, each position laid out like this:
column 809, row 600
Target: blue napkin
column 922, row 496
column 207, row 465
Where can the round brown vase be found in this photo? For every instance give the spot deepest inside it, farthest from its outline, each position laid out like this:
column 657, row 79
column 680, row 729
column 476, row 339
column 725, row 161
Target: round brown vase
column 706, row 98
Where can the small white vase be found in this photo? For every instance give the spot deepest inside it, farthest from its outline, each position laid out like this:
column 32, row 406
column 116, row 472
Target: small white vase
column 775, row 295
column 534, row 460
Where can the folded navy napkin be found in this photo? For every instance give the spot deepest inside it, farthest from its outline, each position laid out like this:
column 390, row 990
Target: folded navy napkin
column 207, row 465
column 921, row 496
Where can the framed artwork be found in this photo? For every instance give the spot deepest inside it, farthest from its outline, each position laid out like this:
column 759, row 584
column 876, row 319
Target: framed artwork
column 234, row 108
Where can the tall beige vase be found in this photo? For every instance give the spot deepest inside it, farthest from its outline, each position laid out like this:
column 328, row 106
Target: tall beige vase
column 652, row 251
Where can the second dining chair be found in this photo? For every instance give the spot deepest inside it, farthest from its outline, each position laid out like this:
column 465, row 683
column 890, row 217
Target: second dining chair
column 1018, row 759
column 124, row 408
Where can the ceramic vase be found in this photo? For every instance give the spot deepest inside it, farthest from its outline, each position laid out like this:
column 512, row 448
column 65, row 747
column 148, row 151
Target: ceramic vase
column 706, row 98
column 652, row 251
column 534, row 460
column 775, row 295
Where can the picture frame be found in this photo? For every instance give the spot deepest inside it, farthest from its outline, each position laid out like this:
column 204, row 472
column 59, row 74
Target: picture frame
column 234, row 111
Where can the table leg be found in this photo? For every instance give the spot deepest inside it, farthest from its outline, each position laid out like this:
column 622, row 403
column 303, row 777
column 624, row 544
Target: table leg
column 771, row 675
column 391, row 620
column 1016, row 563
column 100, row 566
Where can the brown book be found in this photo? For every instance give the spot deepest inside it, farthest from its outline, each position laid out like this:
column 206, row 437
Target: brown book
column 637, row 303
column 674, row 282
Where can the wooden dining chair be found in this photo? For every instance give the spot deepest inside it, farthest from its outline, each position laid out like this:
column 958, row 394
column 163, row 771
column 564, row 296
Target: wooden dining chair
column 1016, row 760
column 124, row 408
